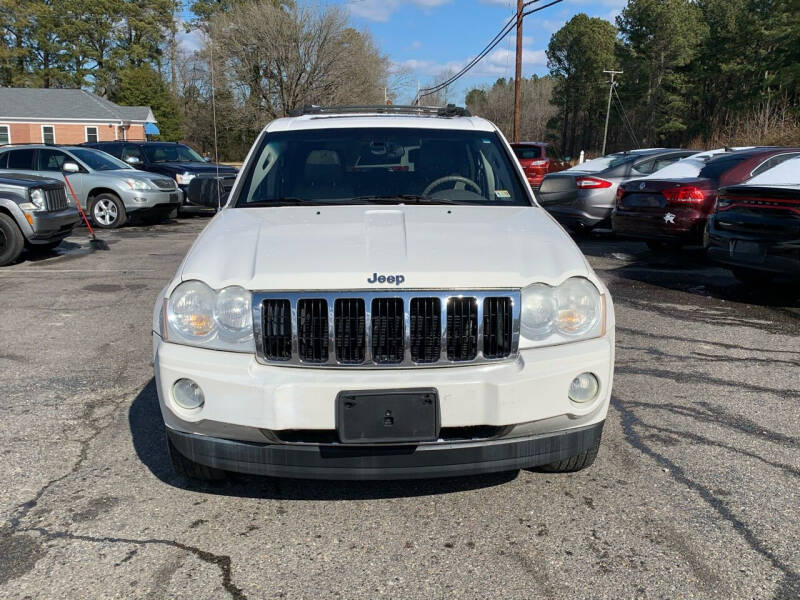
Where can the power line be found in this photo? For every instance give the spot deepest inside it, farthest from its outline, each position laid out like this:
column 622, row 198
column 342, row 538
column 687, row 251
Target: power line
column 608, row 108
column 625, row 118
column 507, row 28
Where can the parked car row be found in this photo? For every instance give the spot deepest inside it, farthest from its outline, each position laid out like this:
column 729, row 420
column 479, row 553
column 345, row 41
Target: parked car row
column 670, row 198
column 39, row 186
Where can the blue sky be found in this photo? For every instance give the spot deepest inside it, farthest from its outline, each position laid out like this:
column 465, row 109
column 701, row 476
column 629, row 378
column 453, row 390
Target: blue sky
column 425, row 38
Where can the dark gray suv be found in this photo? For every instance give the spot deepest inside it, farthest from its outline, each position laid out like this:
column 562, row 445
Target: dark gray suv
column 34, row 213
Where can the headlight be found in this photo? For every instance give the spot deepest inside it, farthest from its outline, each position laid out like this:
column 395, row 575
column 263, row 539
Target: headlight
column 554, row 315
column 220, row 320
column 140, row 184
column 37, row 197
column 184, row 178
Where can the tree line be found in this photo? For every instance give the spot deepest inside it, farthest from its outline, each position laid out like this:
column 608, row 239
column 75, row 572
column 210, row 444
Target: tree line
column 257, row 60
column 696, row 73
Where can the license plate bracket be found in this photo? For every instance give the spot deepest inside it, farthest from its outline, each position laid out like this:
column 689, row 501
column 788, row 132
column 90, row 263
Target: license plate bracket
column 388, row 416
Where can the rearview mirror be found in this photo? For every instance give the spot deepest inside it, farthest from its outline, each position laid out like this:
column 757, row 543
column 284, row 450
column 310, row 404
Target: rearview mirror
column 133, row 160
column 210, row 191
column 70, row 167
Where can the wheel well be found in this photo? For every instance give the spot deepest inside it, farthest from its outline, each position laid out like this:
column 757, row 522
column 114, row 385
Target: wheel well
column 97, row 191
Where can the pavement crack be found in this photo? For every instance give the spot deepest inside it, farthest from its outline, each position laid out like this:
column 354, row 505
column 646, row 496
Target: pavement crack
column 630, row 421
column 223, row 561
column 22, row 510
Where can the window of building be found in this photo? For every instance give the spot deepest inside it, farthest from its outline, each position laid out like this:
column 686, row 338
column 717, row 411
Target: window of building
column 91, row 134
column 5, row 135
column 48, row 134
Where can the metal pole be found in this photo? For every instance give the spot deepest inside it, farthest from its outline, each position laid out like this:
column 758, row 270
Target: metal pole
column 518, row 72
column 608, row 109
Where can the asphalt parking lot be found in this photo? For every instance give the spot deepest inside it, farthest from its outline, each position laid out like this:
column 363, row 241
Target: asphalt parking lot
column 695, row 493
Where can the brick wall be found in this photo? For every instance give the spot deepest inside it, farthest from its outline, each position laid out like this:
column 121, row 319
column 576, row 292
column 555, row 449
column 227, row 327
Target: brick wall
column 31, row 133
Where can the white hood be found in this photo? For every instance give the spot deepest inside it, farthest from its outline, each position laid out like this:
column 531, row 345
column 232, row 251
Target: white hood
column 341, row 247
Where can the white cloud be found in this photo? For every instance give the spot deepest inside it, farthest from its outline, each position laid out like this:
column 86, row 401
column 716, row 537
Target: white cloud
column 498, row 63
column 190, row 41
column 381, row 10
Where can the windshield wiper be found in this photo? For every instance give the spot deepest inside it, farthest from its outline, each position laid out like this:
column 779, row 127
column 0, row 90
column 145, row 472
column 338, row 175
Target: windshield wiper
column 401, row 198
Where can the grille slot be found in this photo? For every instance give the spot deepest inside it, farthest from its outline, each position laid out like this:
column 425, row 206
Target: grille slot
column 56, row 198
column 312, row 330
column 277, row 315
column 426, row 330
column 350, row 330
column 387, row 330
column 462, row 329
column 496, row 327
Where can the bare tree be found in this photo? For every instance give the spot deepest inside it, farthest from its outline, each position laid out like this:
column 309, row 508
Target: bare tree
column 496, row 103
column 280, row 59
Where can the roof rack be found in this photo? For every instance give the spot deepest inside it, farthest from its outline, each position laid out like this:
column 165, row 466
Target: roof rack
column 451, row 110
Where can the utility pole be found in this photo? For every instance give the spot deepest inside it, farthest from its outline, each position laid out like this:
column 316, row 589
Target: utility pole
column 608, row 110
column 518, row 72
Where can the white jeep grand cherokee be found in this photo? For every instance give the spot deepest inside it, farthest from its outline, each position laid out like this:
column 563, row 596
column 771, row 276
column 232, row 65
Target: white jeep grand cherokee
column 382, row 298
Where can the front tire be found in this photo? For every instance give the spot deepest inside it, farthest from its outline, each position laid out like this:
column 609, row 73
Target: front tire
column 189, row 469
column 574, row 463
column 108, row 211
column 11, row 240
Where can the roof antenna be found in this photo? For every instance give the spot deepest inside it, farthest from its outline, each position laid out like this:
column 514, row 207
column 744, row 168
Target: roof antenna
column 214, row 121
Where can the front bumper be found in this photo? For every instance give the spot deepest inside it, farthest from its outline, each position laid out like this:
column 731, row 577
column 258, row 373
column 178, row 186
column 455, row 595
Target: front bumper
column 331, row 461
column 152, row 200
column 52, row 226
column 246, row 403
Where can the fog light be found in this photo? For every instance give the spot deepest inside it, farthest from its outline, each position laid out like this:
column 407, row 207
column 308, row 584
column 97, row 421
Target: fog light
column 584, row 388
column 187, row 394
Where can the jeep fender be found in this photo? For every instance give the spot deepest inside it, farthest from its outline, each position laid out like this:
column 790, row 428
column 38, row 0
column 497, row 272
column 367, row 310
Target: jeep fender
column 10, row 202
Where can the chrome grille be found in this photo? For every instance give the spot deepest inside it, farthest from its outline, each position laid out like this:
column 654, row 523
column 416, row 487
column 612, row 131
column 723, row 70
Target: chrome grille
column 386, row 329
column 56, row 198
column 165, row 184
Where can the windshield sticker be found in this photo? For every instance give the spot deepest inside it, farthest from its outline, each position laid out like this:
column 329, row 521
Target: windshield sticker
column 502, row 194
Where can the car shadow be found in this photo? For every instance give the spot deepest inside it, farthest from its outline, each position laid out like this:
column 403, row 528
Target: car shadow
column 149, row 442
column 687, row 270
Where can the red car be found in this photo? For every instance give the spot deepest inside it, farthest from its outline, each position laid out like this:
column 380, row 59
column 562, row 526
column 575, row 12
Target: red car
column 537, row 160
column 673, row 210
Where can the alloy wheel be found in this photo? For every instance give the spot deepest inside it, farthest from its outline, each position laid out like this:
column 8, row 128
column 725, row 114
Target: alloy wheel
column 105, row 212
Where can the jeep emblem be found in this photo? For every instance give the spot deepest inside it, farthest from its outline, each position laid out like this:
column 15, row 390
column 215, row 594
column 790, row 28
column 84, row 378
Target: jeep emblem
column 395, row 279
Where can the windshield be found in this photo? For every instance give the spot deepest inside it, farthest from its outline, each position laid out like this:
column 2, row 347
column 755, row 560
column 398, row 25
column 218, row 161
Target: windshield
column 381, row 165
column 160, row 153
column 98, row 160
column 604, row 162
column 527, row 152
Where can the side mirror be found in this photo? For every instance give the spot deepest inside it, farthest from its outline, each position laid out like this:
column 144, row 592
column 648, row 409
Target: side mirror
column 207, row 158
column 133, row 160
column 70, row 167
column 210, row 191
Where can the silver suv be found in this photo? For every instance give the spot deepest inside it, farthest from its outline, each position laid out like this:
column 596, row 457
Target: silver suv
column 109, row 189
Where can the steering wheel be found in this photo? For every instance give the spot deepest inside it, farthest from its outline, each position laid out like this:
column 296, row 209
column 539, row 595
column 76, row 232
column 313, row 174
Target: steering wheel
column 457, row 178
